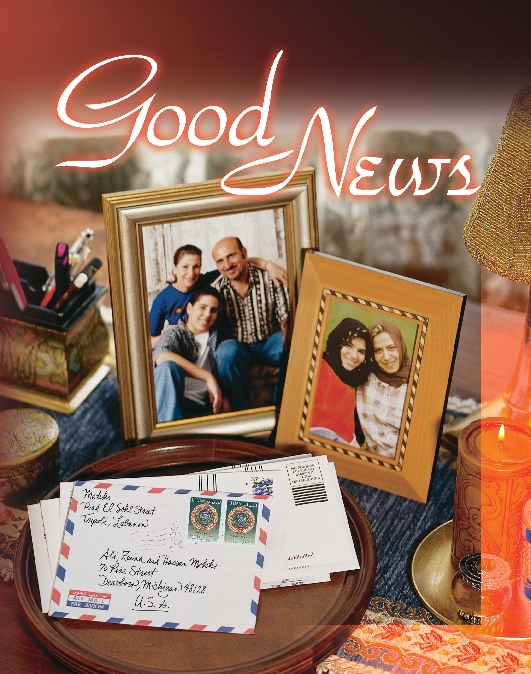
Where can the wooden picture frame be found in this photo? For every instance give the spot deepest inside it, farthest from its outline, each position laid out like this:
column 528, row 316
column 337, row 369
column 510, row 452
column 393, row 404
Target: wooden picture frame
column 429, row 320
column 192, row 208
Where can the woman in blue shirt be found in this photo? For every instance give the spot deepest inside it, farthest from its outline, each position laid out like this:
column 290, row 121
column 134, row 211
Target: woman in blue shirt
column 170, row 304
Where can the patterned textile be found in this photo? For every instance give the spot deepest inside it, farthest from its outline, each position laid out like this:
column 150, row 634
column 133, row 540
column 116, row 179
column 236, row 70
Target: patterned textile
column 380, row 409
column 257, row 315
column 11, row 522
column 397, row 640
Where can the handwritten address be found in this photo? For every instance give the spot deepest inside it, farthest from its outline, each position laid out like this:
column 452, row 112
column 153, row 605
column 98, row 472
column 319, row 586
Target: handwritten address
column 128, row 568
column 124, row 568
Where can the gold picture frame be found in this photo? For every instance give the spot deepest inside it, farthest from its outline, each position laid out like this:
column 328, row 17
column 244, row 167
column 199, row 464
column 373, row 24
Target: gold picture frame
column 127, row 216
column 427, row 320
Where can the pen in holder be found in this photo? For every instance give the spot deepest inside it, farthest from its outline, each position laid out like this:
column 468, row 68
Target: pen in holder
column 51, row 358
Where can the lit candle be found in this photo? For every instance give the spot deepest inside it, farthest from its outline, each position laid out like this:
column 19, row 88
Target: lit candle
column 493, row 483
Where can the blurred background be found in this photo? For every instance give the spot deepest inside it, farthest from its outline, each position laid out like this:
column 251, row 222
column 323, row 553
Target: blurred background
column 441, row 73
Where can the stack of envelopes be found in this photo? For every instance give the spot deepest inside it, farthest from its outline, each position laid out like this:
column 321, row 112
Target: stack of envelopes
column 190, row 551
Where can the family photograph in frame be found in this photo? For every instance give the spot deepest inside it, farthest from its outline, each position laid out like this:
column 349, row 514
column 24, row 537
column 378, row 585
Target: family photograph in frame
column 198, row 273
column 360, row 379
column 204, row 287
column 368, row 373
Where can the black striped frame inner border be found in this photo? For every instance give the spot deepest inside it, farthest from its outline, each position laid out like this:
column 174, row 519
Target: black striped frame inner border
column 416, row 369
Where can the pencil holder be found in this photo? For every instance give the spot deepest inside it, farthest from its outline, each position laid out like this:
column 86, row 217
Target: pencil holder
column 47, row 358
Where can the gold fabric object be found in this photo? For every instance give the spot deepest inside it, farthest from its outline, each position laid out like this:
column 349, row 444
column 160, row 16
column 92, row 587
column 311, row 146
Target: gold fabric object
column 498, row 230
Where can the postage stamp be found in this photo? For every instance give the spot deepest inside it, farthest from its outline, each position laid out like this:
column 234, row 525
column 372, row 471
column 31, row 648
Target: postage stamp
column 240, row 522
column 204, row 519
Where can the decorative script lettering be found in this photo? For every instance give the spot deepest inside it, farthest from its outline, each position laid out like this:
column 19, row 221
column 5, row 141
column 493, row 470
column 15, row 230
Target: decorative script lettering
column 142, row 111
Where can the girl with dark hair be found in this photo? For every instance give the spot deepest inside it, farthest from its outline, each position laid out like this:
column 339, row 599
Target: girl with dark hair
column 346, row 363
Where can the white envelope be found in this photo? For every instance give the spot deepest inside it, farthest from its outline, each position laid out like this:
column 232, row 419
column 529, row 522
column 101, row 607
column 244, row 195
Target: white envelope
column 277, row 572
column 309, row 532
column 162, row 557
column 50, row 511
column 317, row 532
column 40, row 551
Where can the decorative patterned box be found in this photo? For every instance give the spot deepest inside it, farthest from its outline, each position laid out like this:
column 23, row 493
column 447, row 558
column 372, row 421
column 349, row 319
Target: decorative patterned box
column 29, row 450
column 50, row 359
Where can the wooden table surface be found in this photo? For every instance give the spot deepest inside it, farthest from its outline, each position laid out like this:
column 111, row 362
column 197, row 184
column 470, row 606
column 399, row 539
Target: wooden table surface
column 21, row 654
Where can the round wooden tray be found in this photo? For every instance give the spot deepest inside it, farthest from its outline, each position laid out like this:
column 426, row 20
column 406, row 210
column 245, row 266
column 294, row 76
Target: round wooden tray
column 297, row 627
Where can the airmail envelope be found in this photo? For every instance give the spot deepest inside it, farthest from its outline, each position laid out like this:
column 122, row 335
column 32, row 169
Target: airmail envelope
column 264, row 480
column 319, row 540
column 269, row 483
column 160, row 557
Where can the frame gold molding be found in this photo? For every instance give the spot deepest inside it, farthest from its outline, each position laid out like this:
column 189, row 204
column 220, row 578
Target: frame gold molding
column 125, row 214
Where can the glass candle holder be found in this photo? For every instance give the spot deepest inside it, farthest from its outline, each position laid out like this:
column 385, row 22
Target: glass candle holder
column 482, row 588
column 493, row 483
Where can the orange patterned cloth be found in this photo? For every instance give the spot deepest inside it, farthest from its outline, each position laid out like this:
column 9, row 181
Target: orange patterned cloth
column 11, row 522
column 411, row 645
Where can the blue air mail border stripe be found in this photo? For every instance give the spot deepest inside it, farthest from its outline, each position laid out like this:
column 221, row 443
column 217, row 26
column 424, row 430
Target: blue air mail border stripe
column 99, row 603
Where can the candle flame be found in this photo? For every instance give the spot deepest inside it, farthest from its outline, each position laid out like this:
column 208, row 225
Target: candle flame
column 501, row 433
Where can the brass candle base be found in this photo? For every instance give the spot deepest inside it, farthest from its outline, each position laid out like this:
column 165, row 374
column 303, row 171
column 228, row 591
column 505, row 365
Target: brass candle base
column 432, row 571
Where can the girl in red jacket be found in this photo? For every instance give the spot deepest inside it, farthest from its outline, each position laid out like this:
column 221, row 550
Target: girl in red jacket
column 346, row 363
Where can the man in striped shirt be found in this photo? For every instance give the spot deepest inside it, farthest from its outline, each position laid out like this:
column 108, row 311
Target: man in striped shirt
column 258, row 314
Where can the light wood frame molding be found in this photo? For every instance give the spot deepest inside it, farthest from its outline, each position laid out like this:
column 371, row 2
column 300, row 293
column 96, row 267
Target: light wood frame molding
column 438, row 314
